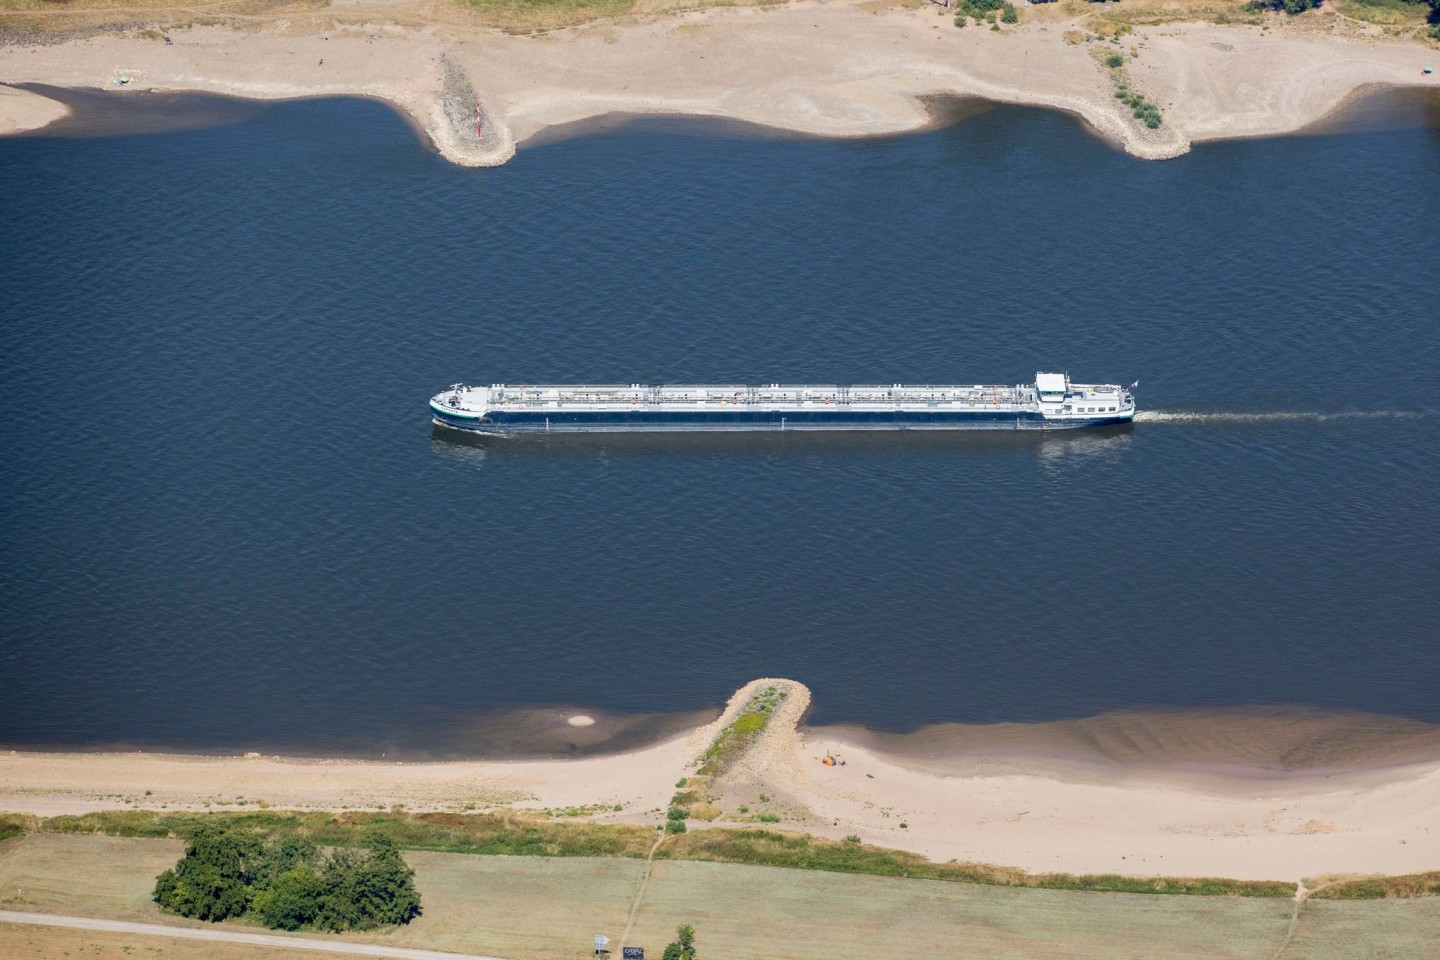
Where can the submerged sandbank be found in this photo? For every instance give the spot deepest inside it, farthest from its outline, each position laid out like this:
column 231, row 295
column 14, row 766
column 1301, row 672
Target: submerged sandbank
column 1255, row 742
column 1245, row 794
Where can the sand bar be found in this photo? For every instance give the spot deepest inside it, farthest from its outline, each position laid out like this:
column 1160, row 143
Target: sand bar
column 22, row 111
column 846, row 68
column 1039, row 810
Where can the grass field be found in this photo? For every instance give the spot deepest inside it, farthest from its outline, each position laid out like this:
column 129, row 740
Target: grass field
column 510, row 834
column 749, row 913
column 107, row 877
column 538, row 908
column 1368, row 930
column 25, row 942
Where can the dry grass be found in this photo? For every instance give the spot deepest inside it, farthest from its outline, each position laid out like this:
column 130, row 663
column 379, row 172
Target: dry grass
column 518, row 906
column 705, row 811
column 1389, row 13
column 24, row 942
column 98, row 876
column 1379, row 887
column 804, row 852
column 1149, row 12
column 538, row 15
column 149, row 7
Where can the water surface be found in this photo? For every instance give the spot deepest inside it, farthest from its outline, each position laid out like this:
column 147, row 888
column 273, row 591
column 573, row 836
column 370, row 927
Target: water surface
column 229, row 524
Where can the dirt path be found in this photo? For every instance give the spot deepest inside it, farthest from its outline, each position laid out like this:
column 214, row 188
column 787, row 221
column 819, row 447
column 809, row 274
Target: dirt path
column 257, row 939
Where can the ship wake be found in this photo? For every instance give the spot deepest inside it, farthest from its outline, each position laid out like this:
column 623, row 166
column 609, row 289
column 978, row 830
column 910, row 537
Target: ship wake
column 1312, row 416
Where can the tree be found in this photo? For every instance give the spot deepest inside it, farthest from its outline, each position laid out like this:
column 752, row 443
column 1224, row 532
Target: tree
column 385, row 885
column 291, row 901
column 362, row 892
column 285, row 855
column 338, row 910
column 213, row 880
column 683, row 946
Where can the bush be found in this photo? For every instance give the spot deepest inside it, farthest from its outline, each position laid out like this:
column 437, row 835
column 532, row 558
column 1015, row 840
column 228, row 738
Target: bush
column 1291, row 7
column 768, row 817
column 985, row 10
column 1140, row 108
column 1114, row 61
column 11, row 825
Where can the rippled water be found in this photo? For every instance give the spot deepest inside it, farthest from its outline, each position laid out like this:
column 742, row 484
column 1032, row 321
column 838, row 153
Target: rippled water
column 229, row 523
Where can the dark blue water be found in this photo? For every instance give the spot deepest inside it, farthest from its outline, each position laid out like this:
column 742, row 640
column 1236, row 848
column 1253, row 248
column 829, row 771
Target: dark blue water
column 227, row 521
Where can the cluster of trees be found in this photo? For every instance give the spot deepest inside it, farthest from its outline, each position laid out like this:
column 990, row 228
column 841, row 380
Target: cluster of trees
column 289, row 884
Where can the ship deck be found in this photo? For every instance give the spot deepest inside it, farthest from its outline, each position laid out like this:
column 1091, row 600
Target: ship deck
column 775, row 396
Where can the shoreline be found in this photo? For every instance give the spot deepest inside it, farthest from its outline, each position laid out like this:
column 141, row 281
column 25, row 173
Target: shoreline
column 1032, row 810
column 1253, row 742
column 846, row 70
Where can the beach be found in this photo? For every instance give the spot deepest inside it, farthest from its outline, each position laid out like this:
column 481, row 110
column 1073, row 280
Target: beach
column 846, row 69
column 1046, row 808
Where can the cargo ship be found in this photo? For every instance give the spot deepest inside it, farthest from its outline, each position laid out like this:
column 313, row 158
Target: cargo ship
column 1051, row 402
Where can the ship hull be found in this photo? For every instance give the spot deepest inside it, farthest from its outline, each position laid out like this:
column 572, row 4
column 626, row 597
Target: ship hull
column 509, row 422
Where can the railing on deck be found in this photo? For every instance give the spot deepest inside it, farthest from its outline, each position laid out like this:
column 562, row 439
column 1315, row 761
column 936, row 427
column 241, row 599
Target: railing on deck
column 739, row 394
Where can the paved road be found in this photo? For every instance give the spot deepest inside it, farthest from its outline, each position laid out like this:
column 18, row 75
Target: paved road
column 230, row 936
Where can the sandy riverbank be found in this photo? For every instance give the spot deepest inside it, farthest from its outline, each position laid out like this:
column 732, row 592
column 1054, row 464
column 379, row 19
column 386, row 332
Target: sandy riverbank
column 853, row 68
column 1228, row 805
